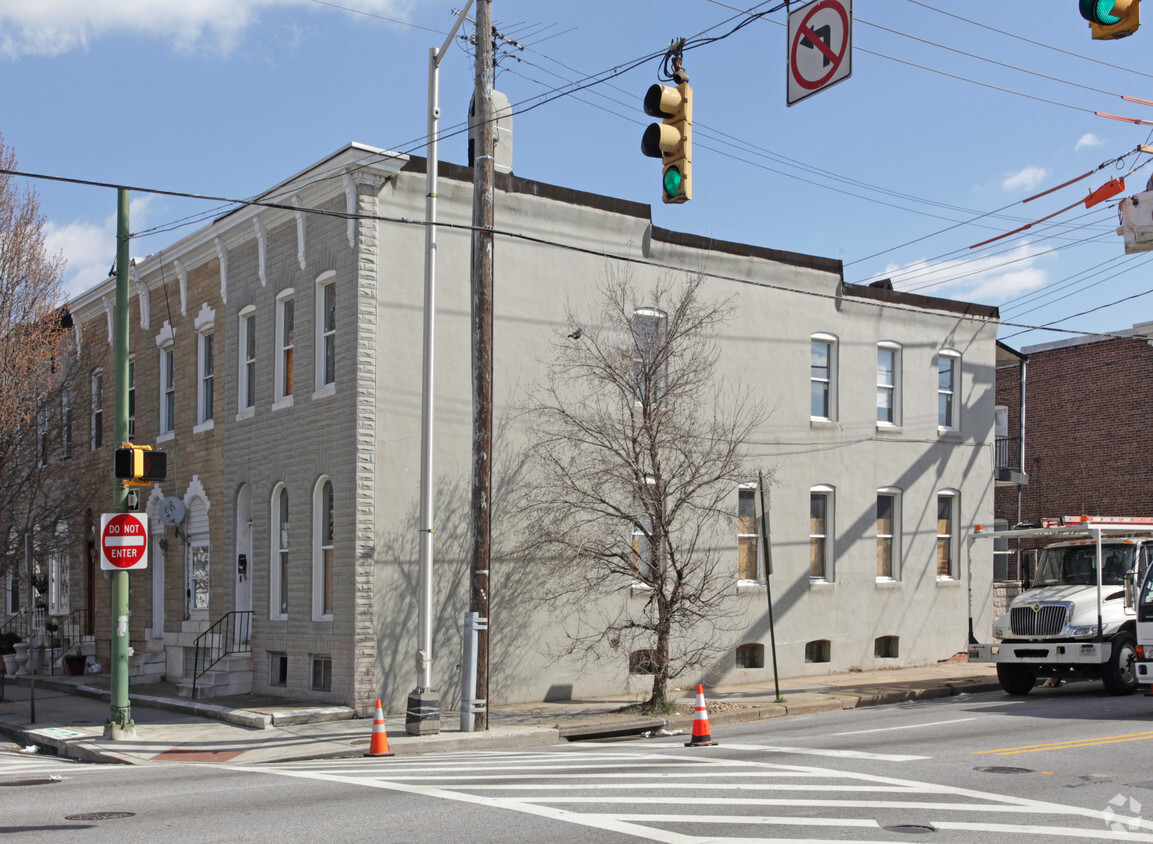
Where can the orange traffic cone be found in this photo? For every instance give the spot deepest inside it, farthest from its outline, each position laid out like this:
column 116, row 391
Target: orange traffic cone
column 379, row 744
column 701, row 737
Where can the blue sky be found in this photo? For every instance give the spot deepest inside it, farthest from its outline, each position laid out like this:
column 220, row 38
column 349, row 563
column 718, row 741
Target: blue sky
column 929, row 147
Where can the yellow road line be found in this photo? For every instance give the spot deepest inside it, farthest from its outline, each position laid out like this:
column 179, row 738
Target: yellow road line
column 1067, row 745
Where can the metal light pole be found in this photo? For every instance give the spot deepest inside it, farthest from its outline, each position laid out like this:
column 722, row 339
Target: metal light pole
column 120, row 724
column 423, row 715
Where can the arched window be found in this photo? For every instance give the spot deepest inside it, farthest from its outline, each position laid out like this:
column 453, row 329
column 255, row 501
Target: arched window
column 279, row 532
column 323, row 541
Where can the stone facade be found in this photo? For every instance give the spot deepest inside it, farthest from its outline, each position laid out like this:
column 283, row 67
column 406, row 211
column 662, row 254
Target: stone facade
column 361, row 434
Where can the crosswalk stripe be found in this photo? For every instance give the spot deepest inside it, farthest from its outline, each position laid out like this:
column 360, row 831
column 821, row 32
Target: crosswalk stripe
column 823, row 751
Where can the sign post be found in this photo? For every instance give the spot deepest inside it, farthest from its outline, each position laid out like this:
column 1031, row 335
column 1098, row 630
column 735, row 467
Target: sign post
column 820, row 47
column 120, row 724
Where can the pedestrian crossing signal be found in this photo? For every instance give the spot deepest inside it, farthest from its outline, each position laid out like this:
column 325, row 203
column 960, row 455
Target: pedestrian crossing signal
column 140, row 463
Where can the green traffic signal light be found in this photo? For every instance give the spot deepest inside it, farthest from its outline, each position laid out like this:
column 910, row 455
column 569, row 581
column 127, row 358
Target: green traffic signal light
column 1099, row 11
column 673, row 181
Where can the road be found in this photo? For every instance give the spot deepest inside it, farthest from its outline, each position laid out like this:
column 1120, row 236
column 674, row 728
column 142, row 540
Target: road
column 1068, row 764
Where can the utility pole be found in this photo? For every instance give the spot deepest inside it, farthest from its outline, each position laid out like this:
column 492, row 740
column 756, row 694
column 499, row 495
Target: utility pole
column 120, row 724
column 483, row 177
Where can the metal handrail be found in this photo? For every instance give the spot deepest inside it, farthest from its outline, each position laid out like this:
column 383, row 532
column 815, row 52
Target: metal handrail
column 230, row 634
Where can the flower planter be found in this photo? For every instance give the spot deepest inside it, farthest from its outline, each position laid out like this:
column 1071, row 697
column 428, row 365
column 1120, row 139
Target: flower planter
column 10, row 663
column 74, row 664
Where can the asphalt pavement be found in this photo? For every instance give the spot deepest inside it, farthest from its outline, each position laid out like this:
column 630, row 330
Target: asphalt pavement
column 66, row 716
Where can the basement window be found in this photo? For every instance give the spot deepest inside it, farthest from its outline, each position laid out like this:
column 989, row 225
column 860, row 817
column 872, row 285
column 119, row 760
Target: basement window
column 818, row 651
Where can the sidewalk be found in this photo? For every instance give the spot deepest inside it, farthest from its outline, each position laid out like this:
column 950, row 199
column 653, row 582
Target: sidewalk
column 252, row 729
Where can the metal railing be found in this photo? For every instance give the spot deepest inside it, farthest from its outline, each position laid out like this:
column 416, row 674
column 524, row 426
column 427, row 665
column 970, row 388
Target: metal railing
column 1009, row 453
column 231, row 634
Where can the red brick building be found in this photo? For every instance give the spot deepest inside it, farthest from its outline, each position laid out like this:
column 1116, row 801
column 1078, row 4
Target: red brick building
column 1087, row 446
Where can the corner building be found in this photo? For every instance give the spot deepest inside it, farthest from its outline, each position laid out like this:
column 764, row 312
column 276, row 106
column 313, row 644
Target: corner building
column 276, row 358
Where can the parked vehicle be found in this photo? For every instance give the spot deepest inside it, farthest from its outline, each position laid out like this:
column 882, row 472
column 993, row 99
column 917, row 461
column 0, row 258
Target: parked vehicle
column 1077, row 619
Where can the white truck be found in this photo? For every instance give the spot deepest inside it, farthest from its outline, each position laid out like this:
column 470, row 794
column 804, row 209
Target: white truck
column 1077, row 619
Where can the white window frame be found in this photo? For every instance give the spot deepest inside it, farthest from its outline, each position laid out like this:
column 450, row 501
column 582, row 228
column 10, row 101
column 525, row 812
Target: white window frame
column 280, row 548
column 949, row 418
column 826, row 538
column 323, row 558
column 953, row 537
column 66, row 429
column 894, row 536
column 744, row 538
column 642, row 545
column 653, row 316
column 205, row 380
column 96, row 420
column 246, row 363
column 59, row 581
column 893, row 390
column 325, row 335
column 829, row 380
column 167, row 392
column 285, row 372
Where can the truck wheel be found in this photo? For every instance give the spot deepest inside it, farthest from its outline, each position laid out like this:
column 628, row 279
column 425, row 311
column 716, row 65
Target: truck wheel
column 1016, row 680
column 1119, row 674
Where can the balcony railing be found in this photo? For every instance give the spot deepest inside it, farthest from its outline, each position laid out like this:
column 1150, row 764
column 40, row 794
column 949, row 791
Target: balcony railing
column 1009, row 453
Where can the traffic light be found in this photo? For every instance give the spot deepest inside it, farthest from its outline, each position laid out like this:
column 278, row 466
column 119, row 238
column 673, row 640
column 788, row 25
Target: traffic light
column 1109, row 19
column 140, row 463
column 672, row 140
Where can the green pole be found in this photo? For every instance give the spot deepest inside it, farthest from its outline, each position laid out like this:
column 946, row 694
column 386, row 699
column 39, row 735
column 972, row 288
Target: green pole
column 120, row 724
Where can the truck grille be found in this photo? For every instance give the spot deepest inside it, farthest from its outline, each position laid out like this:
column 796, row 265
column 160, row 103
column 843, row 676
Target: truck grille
column 1046, row 620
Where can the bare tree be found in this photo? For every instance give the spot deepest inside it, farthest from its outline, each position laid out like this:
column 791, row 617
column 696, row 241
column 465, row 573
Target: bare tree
column 639, row 446
column 46, row 481
column 31, row 292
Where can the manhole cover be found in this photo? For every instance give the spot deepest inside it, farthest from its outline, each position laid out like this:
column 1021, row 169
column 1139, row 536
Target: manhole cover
column 43, row 781
column 1004, row 769
column 100, row 816
column 911, row 828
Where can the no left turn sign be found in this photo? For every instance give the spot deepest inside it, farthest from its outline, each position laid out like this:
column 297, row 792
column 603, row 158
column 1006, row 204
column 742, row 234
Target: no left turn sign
column 123, row 541
column 820, row 47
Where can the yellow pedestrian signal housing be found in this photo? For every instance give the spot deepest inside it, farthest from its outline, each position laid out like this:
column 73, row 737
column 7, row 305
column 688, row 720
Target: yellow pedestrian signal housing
column 672, row 140
column 1110, row 19
column 139, row 465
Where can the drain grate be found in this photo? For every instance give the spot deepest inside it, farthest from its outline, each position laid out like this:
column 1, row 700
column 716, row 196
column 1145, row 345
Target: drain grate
column 911, row 828
column 100, row 816
column 1004, row 769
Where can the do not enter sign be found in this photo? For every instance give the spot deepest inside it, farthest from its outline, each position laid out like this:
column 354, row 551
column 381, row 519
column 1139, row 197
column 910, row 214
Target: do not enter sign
column 123, row 541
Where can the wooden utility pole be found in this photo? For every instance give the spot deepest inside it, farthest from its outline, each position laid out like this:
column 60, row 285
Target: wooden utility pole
column 483, row 173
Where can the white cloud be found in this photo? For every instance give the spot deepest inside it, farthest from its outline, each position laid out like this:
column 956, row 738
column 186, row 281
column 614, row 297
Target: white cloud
column 90, row 248
column 985, row 279
column 1025, row 179
column 54, row 27
column 1087, row 140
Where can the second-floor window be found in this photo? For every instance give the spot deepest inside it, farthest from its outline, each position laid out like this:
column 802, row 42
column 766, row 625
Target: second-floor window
column 888, row 384
column 286, row 344
column 948, row 372
column 325, row 331
column 167, row 390
column 207, row 369
column 648, row 364
column 823, row 377
column 247, row 391
column 97, row 433
column 66, row 425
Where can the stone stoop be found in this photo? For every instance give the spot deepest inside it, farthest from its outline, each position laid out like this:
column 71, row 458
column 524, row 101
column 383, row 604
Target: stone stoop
column 146, row 665
column 231, row 676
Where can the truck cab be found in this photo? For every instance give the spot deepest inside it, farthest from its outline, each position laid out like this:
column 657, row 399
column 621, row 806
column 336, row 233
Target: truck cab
column 1076, row 619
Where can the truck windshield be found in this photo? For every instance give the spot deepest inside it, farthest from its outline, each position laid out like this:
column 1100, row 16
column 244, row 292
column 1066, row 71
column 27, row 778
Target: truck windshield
column 1076, row 565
